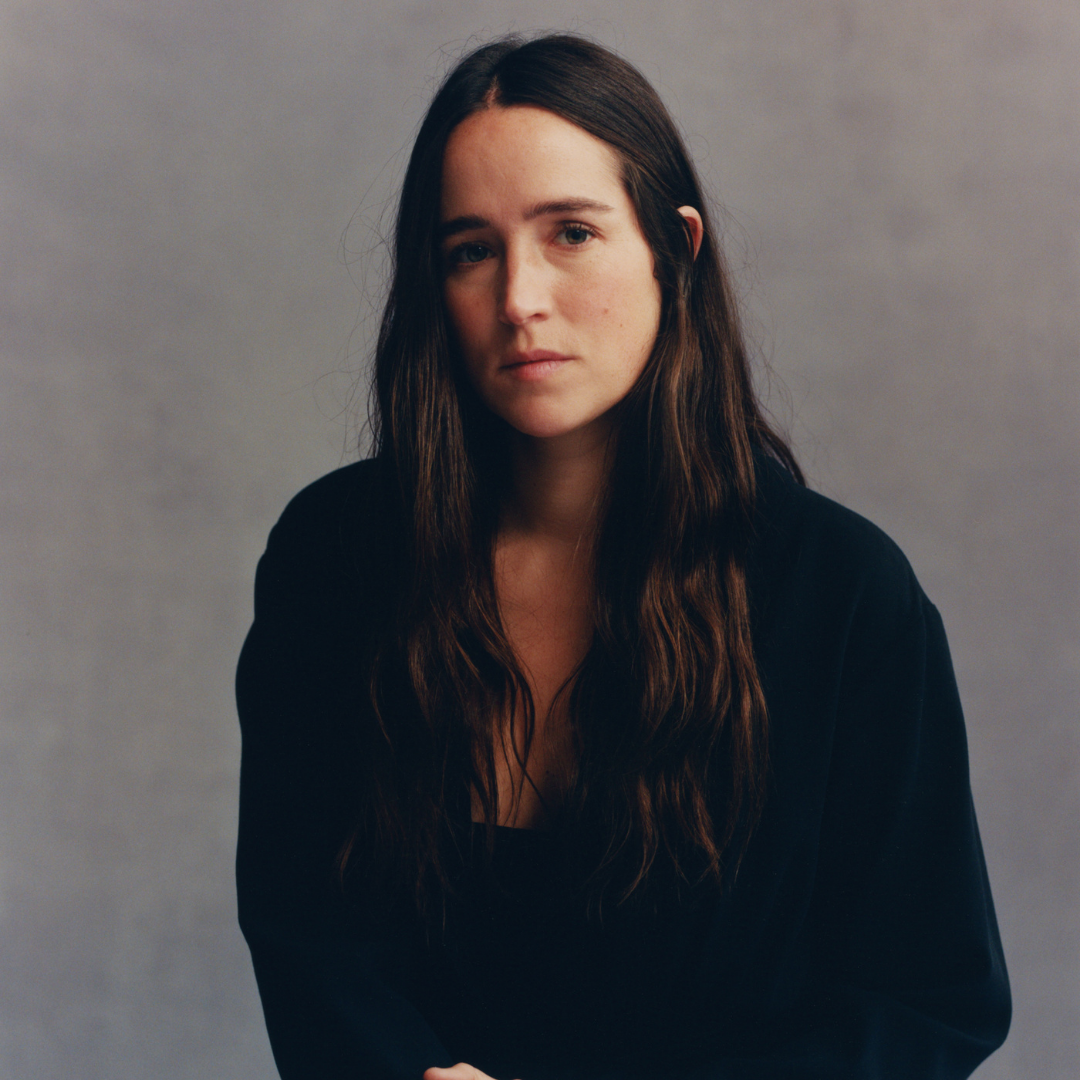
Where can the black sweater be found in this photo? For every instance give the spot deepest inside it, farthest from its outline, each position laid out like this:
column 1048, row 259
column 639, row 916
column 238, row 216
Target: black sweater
column 858, row 940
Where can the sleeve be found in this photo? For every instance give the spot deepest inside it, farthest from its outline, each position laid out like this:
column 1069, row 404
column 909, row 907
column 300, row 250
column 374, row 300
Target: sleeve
column 332, row 994
column 900, row 970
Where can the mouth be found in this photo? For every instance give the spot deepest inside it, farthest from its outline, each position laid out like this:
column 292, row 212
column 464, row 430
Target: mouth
column 534, row 365
column 532, row 358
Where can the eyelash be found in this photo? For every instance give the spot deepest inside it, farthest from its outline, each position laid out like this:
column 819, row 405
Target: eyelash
column 455, row 256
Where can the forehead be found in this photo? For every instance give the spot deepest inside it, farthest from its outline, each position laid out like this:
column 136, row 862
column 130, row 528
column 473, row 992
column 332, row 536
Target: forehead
column 507, row 155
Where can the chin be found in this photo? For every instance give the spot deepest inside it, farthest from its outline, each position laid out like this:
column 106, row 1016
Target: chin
column 555, row 425
column 540, row 429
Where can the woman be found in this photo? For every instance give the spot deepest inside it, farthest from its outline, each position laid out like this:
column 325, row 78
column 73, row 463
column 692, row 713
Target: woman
column 580, row 739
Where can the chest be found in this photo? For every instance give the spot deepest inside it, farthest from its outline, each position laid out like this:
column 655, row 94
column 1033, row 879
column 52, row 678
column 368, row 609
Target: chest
column 545, row 608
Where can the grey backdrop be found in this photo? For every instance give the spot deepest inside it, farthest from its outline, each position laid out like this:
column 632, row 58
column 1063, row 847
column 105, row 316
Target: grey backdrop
column 182, row 331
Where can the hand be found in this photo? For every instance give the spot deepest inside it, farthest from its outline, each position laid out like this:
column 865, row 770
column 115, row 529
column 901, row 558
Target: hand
column 460, row 1071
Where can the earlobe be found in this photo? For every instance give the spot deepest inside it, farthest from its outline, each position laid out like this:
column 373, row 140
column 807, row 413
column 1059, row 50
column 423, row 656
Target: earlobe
column 694, row 226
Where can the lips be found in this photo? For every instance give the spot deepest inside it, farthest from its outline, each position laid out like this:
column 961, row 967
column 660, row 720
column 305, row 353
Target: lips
column 533, row 356
column 534, row 365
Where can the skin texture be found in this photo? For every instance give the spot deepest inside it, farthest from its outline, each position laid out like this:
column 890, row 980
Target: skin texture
column 550, row 289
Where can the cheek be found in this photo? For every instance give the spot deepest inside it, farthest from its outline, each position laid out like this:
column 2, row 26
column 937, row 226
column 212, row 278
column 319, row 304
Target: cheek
column 466, row 323
column 464, row 317
column 628, row 307
column 608, row 302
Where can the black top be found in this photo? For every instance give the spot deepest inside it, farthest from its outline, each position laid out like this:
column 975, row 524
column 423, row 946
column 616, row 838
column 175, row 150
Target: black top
column 858, row 940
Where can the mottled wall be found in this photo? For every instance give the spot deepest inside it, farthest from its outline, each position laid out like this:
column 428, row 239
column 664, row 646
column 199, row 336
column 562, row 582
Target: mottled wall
column 180, row 340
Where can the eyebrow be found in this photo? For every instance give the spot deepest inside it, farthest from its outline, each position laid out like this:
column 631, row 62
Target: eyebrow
column 544, row 209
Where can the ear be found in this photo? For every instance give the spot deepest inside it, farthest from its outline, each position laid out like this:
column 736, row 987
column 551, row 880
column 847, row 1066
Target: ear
column 694, row 225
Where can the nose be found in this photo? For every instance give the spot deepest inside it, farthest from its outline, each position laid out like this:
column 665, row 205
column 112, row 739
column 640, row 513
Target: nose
column 526, row 290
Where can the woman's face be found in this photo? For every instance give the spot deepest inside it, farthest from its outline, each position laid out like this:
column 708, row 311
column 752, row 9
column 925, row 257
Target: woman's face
column 548, row 278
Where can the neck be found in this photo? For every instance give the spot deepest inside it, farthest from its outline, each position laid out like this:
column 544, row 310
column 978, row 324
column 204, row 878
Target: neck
column 557, row 484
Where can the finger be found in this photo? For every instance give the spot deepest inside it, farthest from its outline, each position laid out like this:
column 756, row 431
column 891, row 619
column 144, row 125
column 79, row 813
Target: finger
column 460, row 1071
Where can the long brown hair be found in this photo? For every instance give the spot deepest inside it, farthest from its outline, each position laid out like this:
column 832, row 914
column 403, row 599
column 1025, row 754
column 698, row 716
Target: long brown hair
column 667, row 708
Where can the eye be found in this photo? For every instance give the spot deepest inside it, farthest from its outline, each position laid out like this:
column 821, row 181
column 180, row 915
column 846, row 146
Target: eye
column 575, row 234
column 465, row 254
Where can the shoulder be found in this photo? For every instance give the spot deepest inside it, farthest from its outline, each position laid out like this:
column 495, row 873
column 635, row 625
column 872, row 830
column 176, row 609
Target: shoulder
column 820, row 533
column 852, row 654
column 328, row 510
column 325, row 553
column 318, row 594
column 827, row 569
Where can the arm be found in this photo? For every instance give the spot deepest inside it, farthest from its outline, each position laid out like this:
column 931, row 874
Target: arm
column 905, row 976
column 331, row 991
